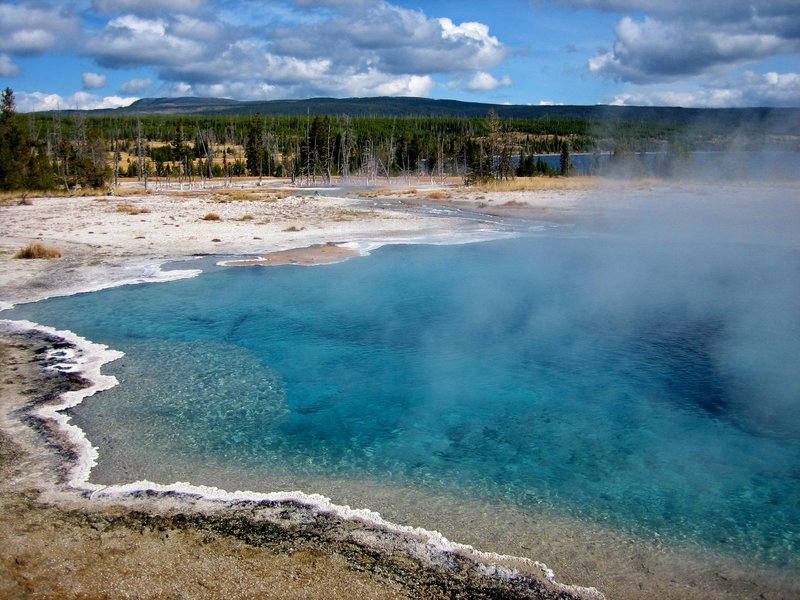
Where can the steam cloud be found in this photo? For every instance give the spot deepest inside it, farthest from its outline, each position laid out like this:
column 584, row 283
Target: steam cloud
column 711, row 269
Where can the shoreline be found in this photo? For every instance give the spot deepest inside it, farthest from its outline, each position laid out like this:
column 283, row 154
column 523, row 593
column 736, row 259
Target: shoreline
column 412, row 559
column 433, row 547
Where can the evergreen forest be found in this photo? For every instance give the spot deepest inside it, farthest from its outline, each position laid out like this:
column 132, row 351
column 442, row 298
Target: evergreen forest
column 85, row 149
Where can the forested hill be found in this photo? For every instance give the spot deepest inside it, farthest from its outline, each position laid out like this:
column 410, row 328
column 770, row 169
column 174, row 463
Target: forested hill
column 785, row 120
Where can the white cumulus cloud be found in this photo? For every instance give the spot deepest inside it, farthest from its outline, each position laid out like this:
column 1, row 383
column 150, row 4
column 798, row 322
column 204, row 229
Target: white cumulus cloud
column 135, row 41
column 8, row 68
column 407, row 85
column 30, row 30
column 652, row 50
column 394, row 40
column 93, row 81
column 749, row 89
column 248, row 49
column 135, row 86
column 38, row 101
column 685, row 38
column 484, row 82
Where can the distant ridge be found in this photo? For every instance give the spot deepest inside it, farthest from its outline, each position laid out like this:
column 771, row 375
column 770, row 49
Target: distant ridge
column 778, row 119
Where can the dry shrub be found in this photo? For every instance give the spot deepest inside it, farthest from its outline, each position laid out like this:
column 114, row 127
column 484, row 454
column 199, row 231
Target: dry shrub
column 535, row 184
column 274, row 197
column 247, row 217
column 15, row 199
column 225, row 196
column 438, row 195
column 293, row 229
column 123, row 192
column 212, row 216
column 342, row 215
column 376, row 193
column 129, row 209
column 37, row 250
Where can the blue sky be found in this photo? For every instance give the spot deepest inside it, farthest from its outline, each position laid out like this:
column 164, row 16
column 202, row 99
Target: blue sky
column 106, row 53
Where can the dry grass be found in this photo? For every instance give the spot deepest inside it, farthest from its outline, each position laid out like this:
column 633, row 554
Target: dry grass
column 438, row 195
column 248, row 195
column 123, row 192
column 37, row 250
column 212, row 216
column 535, row 184
column 225, row 196
column 247, row 217
column 129, row 209
column 376, row 193
column 343, row 215
column 24, row 197
column 80, row 193
column 16, row 198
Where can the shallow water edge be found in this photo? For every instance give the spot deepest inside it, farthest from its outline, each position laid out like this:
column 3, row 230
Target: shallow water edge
column 430, row 564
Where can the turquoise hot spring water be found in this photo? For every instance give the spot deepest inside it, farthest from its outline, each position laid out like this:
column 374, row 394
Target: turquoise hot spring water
column 642, row 385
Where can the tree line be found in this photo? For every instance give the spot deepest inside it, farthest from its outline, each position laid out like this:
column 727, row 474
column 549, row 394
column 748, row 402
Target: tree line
column 30, row 160
column 47, row 151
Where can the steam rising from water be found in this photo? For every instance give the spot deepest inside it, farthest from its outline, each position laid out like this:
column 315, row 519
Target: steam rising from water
column 730, row 258
column 638, row 367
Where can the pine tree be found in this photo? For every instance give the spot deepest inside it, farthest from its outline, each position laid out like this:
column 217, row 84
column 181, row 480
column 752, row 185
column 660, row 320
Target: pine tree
column 254, row 147
column 316, row 151
column 479, row 163
column 180, row 150
column 565, row 162
column 24, row 163
column 13, row 159
column 92, row 168
column 504, row 170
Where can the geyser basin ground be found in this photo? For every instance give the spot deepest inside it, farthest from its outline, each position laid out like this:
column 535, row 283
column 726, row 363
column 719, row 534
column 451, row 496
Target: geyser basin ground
column 634, row 385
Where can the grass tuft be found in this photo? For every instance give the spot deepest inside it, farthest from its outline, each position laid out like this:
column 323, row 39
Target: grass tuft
column 129, row 209
column 123, row 192
column 37, row 250
column 212, row 216
column 234, row 195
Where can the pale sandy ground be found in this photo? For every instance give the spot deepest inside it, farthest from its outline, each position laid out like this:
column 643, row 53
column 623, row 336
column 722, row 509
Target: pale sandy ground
column 321, row 254
column 106, row 239
column 71, row 549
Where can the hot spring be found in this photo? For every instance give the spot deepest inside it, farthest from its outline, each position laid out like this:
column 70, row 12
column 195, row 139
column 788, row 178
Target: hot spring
column 642, row 379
